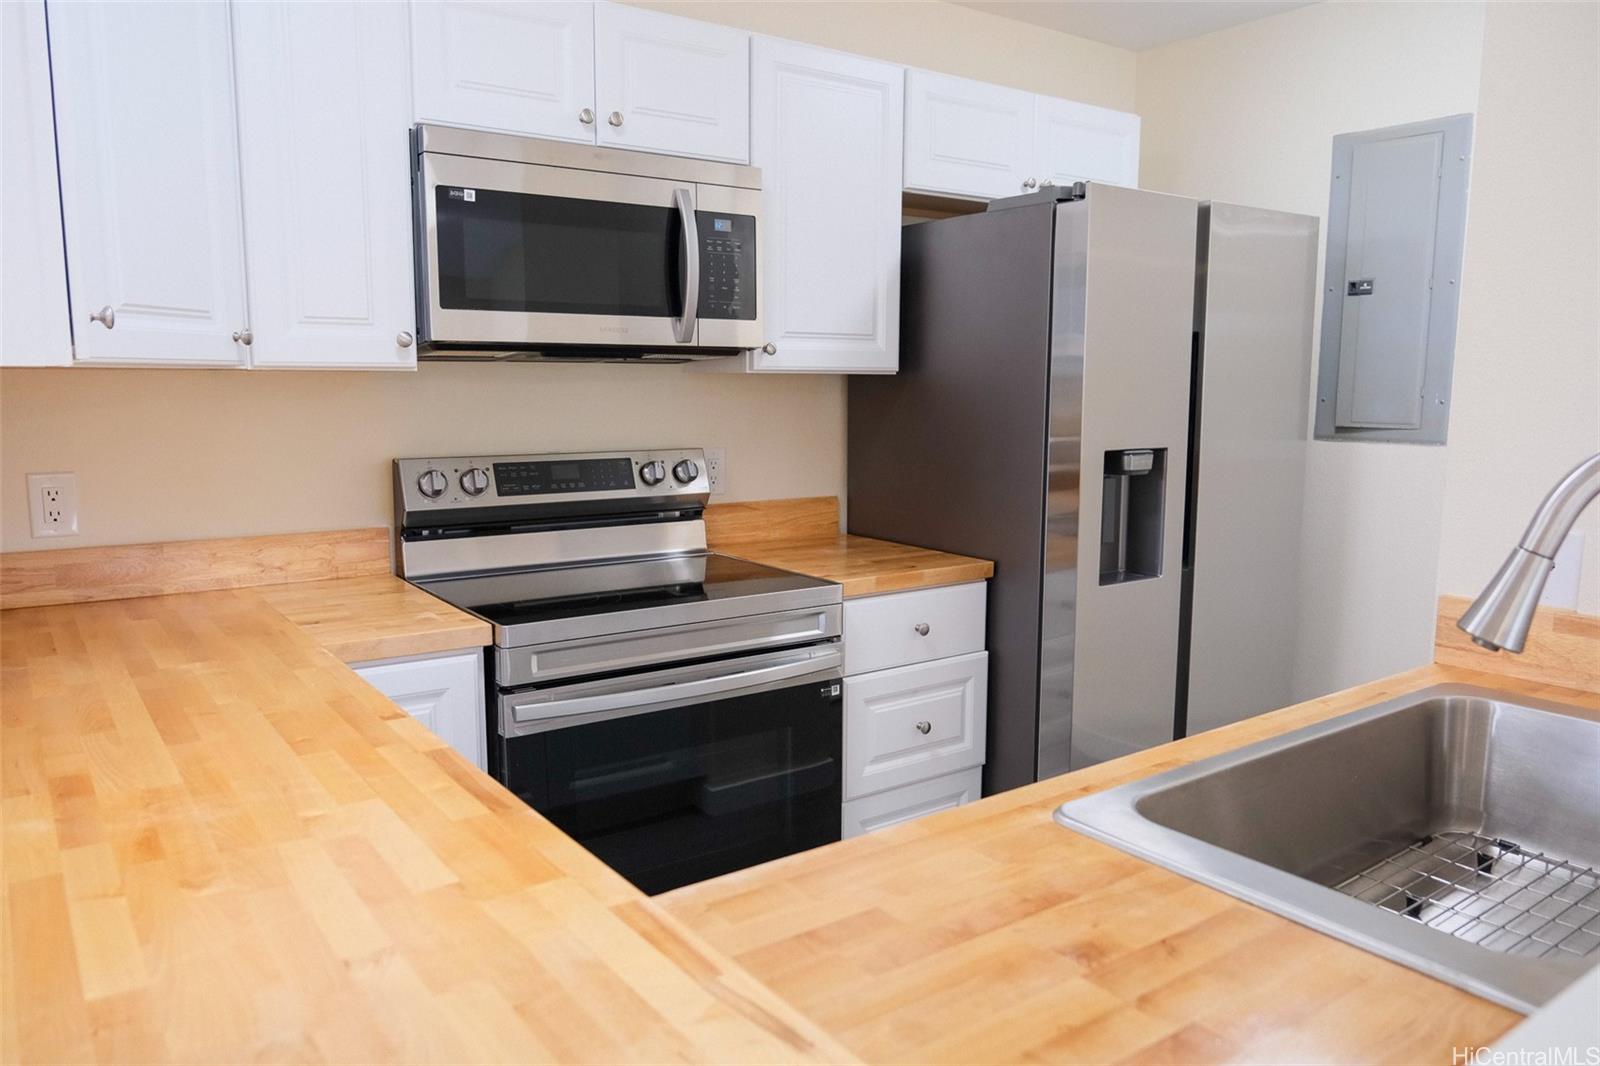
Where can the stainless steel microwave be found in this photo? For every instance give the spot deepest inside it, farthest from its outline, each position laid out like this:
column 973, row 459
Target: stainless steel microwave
column 544, row 249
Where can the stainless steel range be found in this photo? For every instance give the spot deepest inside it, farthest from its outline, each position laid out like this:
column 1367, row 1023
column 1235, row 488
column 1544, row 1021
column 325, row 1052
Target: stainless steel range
column 676, row 711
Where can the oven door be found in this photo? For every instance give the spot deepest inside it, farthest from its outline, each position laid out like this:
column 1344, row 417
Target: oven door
column 674, row 776
column 519, row 254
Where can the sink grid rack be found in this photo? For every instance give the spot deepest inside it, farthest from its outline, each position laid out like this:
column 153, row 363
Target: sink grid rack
column 1490, row 892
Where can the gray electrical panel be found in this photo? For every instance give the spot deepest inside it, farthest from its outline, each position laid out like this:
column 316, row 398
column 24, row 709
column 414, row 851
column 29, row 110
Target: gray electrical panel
column 1397, row 213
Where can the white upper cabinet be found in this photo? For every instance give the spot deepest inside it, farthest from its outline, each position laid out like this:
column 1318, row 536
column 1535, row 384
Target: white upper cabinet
column 33, row 275
column 826, row 135
column 967, row 138
column 150, row 181
column 1081, row 142
column 971, row 139
column 671, row 85
column 506, row 65
column 324, row 117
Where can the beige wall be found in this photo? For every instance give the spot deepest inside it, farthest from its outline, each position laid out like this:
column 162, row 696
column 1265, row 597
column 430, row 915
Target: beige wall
column 168, row 454
column 1247, row 114
column 1527, row 382
column 937, row 36
column 175, row 454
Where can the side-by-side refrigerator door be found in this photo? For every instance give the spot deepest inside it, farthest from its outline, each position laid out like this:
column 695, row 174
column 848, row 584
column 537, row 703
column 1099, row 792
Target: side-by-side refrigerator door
column 1254, row 318
column 1122, row 329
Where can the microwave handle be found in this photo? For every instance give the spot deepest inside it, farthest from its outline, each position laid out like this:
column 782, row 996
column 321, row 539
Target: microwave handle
column 688, row 265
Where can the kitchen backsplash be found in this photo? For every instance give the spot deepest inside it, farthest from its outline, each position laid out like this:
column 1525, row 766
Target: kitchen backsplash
column 182, row 454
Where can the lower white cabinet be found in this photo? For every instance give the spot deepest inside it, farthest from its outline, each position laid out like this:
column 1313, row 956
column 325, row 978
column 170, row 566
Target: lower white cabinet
column 911, row 801
column 443, row 692
column 915, row 704
column 915, row 722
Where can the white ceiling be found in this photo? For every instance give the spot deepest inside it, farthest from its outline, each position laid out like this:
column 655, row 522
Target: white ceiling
column 1134, row 24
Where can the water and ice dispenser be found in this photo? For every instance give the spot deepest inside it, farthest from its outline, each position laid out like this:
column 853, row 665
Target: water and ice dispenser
column 1132, row 498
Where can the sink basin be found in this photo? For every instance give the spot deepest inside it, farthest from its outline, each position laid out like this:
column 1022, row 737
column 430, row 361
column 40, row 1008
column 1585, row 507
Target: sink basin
column 1455, row 830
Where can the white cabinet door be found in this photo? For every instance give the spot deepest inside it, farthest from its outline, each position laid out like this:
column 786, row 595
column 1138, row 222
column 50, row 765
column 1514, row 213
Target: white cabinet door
column 324, row 114
column 33, row 262
column 967, row 138
column 1080, row 142
column 443, row 692
column 150, row 180
column 915, row 722
column 505, row 65
column 671, row 85
column 825, row 131
column 909, row 802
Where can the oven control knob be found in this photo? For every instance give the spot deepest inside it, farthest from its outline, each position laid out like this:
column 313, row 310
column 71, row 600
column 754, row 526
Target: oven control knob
column 686, row 471
column 432, row 483
column 475, row 481
column 653, row 472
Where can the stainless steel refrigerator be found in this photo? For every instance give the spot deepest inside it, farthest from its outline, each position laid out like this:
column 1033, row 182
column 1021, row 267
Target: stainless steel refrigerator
column 1062, row 354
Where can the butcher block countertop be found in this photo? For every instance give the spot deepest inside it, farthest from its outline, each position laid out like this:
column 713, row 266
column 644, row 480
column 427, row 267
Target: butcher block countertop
column 221, row 845
column 803, row 535
column 989, row 933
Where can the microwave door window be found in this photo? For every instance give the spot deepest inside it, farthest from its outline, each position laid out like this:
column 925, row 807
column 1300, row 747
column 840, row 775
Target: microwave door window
column 504, row 251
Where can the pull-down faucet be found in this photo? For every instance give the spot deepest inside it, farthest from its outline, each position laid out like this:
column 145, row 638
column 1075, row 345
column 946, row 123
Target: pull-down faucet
column 1499, row 617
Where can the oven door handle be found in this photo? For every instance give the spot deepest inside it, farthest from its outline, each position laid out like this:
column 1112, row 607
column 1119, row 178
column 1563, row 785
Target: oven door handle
column 659, row 697
column 688, row 265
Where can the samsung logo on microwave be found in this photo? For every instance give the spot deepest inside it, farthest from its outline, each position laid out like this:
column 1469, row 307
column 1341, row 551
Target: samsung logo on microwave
column 468, row 195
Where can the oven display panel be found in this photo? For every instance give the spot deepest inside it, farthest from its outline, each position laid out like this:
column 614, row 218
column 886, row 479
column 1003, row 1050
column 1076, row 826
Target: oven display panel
column 574, row 475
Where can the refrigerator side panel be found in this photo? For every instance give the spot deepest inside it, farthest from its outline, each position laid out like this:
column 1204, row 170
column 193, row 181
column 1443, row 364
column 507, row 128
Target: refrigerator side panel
column 949, row 452
column 1139, row 291
column 1260, row 290
column 1059, row 610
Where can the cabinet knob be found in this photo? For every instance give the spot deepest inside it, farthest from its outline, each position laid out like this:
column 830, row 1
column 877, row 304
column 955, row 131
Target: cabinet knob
column 1030, row 184
column 243, row 336
column 924, row 728
column 770, row 348
column 106, row 316
column 586, row 117
column 615, row 119
column 403, row 339
column 921, row 628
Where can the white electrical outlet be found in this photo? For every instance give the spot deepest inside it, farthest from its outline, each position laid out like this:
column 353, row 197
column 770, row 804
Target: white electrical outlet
column 53, row 504
column 717, row 470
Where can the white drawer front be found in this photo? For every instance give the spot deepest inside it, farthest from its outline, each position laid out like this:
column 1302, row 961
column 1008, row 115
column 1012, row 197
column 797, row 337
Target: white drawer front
column 900, row 628
column 443, row 692
column 912, row 801
column 913, row 723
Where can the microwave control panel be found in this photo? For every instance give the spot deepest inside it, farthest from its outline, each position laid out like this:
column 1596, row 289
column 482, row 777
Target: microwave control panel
column 727, row 265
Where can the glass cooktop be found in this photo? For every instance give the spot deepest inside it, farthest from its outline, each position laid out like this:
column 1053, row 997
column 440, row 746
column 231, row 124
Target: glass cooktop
column 636, row 594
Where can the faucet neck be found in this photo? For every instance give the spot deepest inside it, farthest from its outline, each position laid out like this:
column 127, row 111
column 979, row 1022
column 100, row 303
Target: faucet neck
column 1560, row 510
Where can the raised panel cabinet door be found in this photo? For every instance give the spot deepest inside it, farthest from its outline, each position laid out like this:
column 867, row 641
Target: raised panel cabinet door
column 825, row 132
column 967, row 138
column 443, row 692
column 1081, row 142
column 33, row 261
column 910, row 802
column 914, row 722
column 505, row 65
column 150, row 181
column 671, row 85
column 324, row 115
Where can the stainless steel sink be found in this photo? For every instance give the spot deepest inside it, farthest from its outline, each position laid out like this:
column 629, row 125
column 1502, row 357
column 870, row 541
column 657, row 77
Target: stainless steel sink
column 1451, row 830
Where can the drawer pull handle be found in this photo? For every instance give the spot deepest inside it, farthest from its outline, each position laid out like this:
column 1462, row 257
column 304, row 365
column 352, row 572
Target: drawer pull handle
column 924, row 728
column 921, row 628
